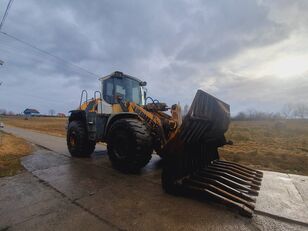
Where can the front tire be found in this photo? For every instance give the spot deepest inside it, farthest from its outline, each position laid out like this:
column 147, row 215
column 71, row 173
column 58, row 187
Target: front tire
column 78, row 142
column 129, row 145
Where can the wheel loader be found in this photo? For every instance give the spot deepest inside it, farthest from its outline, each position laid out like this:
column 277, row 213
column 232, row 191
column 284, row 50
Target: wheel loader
column 135, row 125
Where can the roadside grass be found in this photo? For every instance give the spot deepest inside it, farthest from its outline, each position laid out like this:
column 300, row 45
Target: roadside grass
column 49, row 125
column 269, row 145
column 11, row 150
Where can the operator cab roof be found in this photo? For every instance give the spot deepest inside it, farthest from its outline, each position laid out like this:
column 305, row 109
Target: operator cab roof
column 122, row 75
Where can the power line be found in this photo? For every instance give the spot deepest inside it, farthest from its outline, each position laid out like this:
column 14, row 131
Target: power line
column 36, row 48
column 49, row 54
column 6, row 13
column 35, row 58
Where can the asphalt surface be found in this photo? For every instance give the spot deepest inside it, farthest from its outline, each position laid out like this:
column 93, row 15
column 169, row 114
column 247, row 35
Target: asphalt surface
column 58, row 192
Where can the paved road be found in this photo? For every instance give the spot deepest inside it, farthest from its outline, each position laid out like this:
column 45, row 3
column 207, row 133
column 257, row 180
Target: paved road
column 64, row 193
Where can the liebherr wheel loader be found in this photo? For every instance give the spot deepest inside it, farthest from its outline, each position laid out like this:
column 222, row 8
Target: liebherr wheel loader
column 133, row 125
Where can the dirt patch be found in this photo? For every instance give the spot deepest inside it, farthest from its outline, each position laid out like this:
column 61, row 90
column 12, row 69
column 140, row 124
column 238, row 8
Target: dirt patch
column 11, row 150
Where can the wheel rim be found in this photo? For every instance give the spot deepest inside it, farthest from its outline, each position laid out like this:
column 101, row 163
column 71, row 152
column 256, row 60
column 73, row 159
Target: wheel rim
column 72, row 139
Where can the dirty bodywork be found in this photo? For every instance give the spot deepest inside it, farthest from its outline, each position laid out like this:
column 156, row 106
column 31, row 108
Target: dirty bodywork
column 133, row 128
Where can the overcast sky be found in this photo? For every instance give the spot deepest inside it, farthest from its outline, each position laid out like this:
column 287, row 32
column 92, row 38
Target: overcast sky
column 250, row 54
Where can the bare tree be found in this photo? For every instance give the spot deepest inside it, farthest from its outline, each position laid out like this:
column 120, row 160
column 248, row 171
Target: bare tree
column 252, row 114
column 241, row 116
column 2, row 111
column 52, row 112
column 287, row 110
column 300, row 111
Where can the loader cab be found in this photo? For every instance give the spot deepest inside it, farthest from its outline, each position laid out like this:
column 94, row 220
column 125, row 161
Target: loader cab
column 121, row 85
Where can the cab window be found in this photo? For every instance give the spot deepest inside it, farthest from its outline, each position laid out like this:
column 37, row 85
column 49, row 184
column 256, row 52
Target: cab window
column 129, row 89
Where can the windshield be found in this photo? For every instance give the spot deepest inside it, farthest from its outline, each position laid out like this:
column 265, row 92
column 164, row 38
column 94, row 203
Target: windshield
column 129, row 89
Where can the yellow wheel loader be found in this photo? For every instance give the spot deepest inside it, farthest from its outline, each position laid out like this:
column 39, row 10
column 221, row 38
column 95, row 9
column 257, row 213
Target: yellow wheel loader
column 133, row 125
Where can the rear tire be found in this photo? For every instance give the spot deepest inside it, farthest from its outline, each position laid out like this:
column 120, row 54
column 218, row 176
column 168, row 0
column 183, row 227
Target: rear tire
column 129, row 145
column 77, row 140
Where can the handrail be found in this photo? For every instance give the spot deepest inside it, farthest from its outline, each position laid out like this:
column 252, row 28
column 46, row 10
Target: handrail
column 83, row 91
column 100, row 97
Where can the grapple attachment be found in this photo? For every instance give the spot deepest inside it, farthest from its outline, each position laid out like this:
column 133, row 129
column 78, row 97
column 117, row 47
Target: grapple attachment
column 191, row 159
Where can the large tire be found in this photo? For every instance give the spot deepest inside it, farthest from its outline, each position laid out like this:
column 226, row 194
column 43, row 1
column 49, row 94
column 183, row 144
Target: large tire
column 78, row 142
column 129, row 145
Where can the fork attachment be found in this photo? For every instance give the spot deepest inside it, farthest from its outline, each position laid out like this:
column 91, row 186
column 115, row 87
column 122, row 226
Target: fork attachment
column 191, row 160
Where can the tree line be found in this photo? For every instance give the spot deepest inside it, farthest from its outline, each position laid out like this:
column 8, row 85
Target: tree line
column 5, row 112
column 51, row 112
column 288, row 111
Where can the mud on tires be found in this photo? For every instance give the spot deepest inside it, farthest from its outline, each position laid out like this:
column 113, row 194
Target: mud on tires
column 129, row 145
column 77, row 139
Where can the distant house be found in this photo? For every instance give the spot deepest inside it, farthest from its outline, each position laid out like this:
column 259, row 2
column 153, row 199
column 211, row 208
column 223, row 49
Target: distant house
column 61, row 115
column 31, row 112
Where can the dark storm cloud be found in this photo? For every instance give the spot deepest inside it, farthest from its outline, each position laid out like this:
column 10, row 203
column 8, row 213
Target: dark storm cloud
column 223, row 28
column 176, row 46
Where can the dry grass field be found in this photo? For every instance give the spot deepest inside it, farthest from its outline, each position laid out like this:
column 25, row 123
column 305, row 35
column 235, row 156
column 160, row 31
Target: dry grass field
column 269, row 145
column 11, row 150
column 50, row 125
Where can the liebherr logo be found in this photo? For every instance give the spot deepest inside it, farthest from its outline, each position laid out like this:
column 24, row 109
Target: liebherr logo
column 148, row 120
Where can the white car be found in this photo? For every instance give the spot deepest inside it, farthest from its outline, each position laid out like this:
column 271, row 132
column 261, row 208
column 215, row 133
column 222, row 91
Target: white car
column 1, row 125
